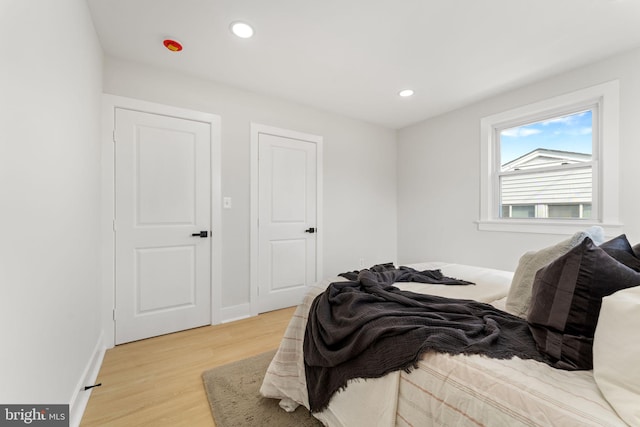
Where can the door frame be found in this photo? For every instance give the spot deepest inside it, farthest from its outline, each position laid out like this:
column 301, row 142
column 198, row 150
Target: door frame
column 107, row 162
column 256, row 130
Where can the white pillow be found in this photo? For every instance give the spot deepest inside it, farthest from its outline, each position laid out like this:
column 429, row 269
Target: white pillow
column 616, row 346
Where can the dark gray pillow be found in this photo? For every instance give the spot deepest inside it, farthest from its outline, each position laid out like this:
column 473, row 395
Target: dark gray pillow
column 566, row 299
column 519, row 296
column 636, row 250
column 620, row 249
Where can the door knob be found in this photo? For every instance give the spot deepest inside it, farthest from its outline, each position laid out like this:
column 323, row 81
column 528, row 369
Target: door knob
column 310, row 230
column 202, row 234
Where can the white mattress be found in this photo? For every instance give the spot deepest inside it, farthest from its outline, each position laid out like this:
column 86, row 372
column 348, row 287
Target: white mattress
column 446, row 390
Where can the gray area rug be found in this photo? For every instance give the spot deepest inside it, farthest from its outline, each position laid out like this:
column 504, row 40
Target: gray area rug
column 233, row 391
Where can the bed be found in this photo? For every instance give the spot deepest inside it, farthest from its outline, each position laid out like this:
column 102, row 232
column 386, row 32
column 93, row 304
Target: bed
column 446, row 390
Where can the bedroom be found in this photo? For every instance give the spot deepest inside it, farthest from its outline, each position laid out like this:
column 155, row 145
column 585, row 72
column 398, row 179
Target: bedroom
column 55, row 72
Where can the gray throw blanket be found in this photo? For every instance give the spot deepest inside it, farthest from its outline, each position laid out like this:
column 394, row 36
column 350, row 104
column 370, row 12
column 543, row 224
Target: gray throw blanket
column 367, row 328
column 408, row 274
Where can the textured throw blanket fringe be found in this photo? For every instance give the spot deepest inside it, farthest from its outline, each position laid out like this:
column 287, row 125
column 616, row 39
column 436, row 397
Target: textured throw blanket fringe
column 366, row 328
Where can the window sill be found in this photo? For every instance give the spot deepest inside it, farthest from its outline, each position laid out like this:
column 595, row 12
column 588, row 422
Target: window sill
column 546, row 227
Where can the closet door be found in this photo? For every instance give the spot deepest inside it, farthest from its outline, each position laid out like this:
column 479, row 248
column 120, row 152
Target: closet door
column 162, row 224
column 287, row 219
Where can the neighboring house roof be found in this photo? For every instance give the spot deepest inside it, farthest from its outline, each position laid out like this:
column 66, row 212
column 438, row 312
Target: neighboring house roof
column 543, row 157
column 556, row 186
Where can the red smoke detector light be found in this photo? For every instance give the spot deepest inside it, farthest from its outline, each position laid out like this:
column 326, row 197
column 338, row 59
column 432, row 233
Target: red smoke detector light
column 172, row 45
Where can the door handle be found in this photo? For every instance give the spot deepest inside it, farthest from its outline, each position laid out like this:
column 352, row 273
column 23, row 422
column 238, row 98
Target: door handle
column 310, row 230
column 202, row 234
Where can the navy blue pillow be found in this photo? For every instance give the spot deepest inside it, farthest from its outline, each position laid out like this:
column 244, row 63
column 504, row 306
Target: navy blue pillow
column 566, row 299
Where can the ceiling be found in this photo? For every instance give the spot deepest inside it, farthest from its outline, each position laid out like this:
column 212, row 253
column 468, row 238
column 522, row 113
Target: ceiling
column 352, row 57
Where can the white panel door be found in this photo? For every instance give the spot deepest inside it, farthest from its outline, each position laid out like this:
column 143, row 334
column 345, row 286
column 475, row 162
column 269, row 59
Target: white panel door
column 163, row 191
column 287, row 220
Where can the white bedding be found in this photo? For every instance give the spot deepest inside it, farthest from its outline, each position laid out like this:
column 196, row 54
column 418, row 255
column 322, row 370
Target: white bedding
column 446, row 390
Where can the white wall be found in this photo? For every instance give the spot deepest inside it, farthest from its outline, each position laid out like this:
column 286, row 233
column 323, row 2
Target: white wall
column 50, row 86
column 359, row 168
column 439, row 171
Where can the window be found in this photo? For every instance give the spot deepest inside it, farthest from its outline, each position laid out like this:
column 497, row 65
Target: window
column 518, row 211
column 546, row 166
column 543, row 165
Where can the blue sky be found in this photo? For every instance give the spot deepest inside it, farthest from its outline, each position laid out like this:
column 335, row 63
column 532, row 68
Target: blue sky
column 568, row 133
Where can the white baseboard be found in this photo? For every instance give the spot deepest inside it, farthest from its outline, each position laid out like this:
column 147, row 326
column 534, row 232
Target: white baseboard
column 81, row 396
column 235, row 312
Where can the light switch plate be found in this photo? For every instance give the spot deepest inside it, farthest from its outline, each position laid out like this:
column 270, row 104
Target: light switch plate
column 226, row 202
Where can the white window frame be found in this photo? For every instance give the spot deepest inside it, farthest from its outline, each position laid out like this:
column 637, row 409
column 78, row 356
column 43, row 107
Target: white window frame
column 605, row 203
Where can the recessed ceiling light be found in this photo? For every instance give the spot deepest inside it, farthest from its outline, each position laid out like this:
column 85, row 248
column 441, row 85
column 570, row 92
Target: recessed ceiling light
column 405, row 93
column 242, row 29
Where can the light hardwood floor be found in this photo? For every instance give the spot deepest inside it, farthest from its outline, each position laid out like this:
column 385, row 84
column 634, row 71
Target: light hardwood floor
column 158, row 381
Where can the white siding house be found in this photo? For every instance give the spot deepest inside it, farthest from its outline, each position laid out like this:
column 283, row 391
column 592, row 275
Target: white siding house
column 547, row 184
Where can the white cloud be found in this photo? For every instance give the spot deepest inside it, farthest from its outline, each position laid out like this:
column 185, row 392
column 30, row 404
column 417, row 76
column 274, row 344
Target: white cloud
column 562, row 120
column 521, row 131
column 566, row 120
